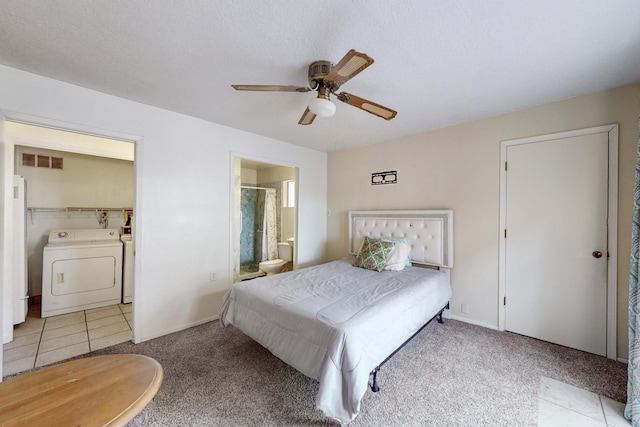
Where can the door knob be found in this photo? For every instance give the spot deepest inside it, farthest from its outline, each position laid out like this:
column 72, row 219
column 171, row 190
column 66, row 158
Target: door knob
column 597, row 254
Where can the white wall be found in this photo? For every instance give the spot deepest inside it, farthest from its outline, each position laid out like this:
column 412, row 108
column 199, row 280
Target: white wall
column 458, row 168
column 182, row 184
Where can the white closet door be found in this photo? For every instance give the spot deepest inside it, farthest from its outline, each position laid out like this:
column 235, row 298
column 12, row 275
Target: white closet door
column 556, row 241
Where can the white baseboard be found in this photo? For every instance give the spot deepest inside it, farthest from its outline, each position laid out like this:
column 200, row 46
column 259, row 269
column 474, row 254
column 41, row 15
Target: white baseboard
column 180, row 328
column 474, row 322
column 486, row 325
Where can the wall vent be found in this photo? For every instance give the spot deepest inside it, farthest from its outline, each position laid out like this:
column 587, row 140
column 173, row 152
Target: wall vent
column 43, row 161
column 38, row 160
column 56, row 162
column 28, row 159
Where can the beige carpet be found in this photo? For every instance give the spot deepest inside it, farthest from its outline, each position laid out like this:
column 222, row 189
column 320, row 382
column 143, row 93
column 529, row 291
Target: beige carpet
column 452, row 374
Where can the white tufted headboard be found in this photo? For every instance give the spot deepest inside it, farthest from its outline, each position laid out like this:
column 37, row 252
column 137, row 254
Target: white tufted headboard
column 430, row 232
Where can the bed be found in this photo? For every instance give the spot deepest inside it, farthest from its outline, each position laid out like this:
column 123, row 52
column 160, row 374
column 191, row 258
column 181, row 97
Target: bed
column 338, row 323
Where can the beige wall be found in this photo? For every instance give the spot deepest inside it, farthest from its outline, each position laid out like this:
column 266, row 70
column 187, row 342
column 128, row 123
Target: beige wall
column 84, row 181
column 249, row 176
column 276, row 173
column 458, row 168
column 287, row 219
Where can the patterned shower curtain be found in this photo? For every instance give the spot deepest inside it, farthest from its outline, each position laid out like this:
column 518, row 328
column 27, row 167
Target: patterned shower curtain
column 270, row 227
column 632, row 410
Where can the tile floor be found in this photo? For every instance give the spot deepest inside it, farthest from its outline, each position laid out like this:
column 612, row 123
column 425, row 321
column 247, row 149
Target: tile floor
column 38, row 342
column 563, row 405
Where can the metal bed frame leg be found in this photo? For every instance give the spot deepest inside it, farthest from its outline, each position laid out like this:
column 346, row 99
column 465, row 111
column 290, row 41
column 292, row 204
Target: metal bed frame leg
column 441, row 312
column 374, row 384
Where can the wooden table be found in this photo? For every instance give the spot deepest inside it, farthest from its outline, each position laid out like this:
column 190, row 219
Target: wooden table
column 95, row 391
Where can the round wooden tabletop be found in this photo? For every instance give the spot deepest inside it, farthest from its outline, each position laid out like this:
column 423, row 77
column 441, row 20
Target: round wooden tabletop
column 95, row 391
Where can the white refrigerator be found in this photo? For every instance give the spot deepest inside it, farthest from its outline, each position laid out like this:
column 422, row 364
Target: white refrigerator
column 20, row 299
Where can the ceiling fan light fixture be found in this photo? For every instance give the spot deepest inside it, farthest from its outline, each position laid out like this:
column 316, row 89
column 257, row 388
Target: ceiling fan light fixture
column 326, row 78
column 322, row 107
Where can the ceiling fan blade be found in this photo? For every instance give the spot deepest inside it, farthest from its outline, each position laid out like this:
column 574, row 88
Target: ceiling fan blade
column 271, row 88
column 368, row 106
column 352, row 63
column 307, row 117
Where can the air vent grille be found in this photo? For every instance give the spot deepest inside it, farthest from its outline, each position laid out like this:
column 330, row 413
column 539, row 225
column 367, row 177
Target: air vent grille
column 40, row 161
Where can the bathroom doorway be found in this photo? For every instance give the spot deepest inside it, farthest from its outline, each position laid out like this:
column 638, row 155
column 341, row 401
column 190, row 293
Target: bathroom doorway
column 265, row 211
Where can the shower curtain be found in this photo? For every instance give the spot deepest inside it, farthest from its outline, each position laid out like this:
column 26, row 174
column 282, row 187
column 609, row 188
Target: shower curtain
column 632, row 410
column 270, row 227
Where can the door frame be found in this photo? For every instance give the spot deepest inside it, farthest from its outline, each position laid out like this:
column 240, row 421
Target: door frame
column 612, row 225
column 7, row 146
column 234, row 220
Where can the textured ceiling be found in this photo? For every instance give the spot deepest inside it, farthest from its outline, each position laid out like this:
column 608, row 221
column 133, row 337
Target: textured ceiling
column 437, row 62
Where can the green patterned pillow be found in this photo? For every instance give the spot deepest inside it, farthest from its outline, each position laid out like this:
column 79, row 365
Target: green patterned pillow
column 373, row 254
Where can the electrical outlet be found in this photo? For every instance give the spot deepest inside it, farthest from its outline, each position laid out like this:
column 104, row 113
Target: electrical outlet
column 212, row 276
column 464, row 309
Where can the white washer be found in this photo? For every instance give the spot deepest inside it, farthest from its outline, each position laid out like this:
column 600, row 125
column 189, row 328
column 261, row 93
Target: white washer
column 81, row 269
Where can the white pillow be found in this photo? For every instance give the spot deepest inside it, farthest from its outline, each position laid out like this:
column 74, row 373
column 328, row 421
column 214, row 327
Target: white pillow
column 396, row 260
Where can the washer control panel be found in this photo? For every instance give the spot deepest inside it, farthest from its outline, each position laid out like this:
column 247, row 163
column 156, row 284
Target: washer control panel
column 83, row 235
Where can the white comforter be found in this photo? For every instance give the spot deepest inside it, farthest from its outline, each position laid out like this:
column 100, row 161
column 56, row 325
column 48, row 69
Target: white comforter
column 335, row 322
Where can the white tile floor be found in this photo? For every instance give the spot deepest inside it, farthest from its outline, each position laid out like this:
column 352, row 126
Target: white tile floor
column 563, row 405
column 38, row 342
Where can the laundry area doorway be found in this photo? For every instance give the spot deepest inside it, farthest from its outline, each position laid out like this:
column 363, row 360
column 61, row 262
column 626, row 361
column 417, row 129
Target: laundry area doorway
column 264, row 218
column 76, row 195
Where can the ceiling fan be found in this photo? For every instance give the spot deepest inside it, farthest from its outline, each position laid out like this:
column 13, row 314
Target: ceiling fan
column 326, row 78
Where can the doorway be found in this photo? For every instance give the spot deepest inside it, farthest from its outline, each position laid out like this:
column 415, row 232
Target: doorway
column 68, row 175
column 558, row 238
column 264, row 211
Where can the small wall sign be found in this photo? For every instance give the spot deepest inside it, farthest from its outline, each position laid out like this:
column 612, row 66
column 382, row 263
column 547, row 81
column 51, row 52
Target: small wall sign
column 380, row 178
